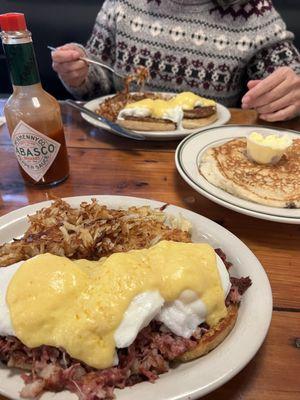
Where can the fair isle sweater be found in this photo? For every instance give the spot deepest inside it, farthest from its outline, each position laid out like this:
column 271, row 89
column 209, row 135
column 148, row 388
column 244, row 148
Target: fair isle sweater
column 188, row 45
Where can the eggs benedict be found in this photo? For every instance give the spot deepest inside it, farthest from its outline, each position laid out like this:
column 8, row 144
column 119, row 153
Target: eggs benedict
column 185, row 110
column 110, row 315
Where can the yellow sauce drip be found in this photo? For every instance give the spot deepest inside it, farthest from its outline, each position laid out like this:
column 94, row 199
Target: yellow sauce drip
column 189, row 100
column 78, row 305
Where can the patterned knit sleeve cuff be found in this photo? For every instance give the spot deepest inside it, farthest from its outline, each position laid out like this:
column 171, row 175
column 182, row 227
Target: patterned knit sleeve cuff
column 296, row 67
column 270, row 58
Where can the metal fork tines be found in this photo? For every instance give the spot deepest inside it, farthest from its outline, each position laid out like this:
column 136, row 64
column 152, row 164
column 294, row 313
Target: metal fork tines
column 91, row 61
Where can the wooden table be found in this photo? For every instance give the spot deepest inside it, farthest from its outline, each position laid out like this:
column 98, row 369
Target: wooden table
column 102, row 163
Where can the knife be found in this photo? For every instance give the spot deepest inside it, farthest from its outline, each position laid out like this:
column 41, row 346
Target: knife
column 117, row 129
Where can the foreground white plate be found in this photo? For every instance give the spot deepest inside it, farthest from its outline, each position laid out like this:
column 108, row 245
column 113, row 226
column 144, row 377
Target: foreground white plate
column 197, row 378
column 223, row 117
column 187, row 158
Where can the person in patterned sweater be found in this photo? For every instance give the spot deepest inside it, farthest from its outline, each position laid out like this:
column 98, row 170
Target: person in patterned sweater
column 234, row 51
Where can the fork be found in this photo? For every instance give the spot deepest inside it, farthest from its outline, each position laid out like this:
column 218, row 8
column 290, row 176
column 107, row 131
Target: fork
column 90, row 61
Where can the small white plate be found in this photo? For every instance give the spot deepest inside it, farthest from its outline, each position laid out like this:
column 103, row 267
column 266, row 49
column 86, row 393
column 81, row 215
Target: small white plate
column 189, row 153
column 223, row 117
column 199, row 377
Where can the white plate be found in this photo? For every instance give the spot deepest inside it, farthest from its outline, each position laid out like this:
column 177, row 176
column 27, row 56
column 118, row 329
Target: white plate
column 187, row 158
column 197, row 378
column 223, row 117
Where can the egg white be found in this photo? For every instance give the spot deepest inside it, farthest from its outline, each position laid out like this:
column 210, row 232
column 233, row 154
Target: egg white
column 174, row 114
column 139, row 112
column 142, row 310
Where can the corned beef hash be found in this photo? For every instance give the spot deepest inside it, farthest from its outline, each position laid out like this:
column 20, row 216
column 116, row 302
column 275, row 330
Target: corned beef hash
column 93, row 299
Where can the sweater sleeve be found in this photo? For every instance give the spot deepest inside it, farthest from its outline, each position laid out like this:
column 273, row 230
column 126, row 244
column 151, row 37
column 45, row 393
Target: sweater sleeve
column 100, row 46
column 274, row 51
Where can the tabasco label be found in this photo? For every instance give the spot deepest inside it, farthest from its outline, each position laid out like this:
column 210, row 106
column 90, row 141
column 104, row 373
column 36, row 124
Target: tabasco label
column 35, row 151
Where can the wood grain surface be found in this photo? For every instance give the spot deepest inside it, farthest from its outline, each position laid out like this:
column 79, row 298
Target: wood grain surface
column 102, row 163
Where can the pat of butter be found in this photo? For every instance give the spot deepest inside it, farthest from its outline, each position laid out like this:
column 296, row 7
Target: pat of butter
column 267, row 149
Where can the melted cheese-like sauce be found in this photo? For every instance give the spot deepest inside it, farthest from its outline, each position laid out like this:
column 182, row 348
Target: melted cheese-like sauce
column 78, row 305
column 189, row 100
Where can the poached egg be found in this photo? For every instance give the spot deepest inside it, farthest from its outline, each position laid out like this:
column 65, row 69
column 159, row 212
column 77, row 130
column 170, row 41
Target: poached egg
column 189, row 100
column 91, row 308
column 161, row 109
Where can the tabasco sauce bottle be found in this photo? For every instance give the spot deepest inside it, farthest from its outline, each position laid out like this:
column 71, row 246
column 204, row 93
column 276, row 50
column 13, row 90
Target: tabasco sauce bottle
column 33, row 116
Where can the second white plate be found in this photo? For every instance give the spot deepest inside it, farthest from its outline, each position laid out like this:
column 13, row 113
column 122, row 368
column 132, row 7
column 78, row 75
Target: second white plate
column 223, row 118
column 189, row 153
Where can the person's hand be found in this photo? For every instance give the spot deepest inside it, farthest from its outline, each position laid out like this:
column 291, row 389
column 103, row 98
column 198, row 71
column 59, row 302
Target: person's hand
column 275, row 98
column 68, row 66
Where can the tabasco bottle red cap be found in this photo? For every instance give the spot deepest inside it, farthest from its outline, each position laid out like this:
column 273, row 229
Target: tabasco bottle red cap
column 12, row 22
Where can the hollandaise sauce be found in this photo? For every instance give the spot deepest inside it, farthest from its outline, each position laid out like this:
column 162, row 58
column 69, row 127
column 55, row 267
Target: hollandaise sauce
column 189, row 100
column 78, row 305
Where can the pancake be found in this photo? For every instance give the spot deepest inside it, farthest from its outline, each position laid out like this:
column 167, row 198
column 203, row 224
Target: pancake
column 228, row 167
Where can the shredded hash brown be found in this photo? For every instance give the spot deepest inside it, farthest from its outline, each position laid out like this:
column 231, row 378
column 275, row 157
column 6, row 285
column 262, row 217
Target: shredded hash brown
column 91, row 231
column 140, row 76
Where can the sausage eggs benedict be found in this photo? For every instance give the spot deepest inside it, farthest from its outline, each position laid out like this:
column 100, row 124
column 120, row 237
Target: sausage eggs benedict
column 185, row 110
